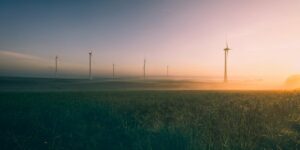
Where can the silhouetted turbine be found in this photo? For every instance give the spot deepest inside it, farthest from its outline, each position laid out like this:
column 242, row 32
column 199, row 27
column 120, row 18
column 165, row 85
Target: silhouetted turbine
column 113, row 71
column 144, row 68
column 167, row 71
column 226, row 50
column 56, row 63
column 90, row 65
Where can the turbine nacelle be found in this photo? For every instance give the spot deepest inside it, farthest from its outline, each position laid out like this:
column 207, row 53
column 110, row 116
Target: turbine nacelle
column 227, row 49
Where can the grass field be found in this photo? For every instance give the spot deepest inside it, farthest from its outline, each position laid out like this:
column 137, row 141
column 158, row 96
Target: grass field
column 147, row 120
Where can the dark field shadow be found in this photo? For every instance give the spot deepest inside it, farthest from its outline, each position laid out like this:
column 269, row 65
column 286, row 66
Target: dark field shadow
column 149, row 120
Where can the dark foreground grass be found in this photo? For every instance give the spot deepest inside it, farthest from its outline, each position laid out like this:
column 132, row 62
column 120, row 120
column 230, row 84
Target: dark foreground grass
column 149, row 120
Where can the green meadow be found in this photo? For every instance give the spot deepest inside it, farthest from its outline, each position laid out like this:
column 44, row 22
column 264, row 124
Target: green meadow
column 149, row 120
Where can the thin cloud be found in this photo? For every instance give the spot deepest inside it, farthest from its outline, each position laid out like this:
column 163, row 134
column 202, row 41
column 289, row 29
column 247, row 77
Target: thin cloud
column 18, row 55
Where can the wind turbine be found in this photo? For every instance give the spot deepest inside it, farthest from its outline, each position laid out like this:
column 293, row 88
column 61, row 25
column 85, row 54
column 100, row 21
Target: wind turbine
column 90, row 65
column 56, row 63
column 226, row 50
column 144, row 68
column 113, row 71
column 167, row 70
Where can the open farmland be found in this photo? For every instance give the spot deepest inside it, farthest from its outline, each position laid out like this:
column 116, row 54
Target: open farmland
column 150, row 120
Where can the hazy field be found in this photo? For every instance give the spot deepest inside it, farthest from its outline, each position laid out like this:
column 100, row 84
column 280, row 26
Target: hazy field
column 80, row 114
column 149, row 120
column 106, row 84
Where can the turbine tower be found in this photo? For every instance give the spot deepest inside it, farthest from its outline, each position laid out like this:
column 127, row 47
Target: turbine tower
column 90, row 65
column 144, row 69
column 113, row 71
column 167, row 70
column 226, row 50
column 56, row 63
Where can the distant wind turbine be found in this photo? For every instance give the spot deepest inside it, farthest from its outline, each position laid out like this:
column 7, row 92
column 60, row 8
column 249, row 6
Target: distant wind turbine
column 56, row 63
column 167, row 70
column 226, row 50
column 90, row 65
column 144, row 69
column 113, row 71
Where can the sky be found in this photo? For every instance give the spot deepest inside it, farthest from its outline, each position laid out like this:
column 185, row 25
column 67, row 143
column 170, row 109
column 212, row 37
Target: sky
column 189, row 36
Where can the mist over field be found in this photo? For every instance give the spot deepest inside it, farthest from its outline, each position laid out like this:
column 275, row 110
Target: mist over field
column 100, row 84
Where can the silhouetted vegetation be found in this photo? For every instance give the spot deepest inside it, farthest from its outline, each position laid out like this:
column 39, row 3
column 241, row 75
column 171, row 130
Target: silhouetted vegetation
column 149, row 120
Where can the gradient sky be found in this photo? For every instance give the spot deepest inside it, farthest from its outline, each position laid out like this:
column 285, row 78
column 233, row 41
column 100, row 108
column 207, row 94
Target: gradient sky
column 188, row 35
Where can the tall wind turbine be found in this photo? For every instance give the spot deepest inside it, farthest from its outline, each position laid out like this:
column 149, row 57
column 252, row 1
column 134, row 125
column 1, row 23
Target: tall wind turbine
column 226, row 50
column 144, row 68
column 90, row 65
column 56, row 63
